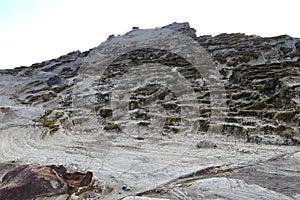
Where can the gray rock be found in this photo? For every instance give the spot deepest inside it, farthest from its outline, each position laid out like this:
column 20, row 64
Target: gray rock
column 160, row 150
column 55, row 80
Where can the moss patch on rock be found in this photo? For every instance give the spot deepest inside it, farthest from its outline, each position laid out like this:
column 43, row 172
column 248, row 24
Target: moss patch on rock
column 105, row 113
column 59, row 89
column 259, row 104
column 112, row 127
column 284, row 115
column 49, row 123
column 287, row 133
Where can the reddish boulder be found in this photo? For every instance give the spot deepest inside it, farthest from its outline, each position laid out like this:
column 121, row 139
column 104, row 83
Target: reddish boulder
column 30, row 181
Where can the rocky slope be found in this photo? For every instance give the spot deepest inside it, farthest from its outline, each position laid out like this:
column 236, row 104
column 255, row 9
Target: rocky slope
column 162, row 113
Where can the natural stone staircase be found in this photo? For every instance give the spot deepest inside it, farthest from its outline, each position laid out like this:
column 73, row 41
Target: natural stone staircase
column 261, row 105
column 260, row 76
column 138, row 132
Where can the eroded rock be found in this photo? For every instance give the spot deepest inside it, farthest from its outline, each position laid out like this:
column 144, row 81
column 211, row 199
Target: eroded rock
column 261, row 78
column 31, row 181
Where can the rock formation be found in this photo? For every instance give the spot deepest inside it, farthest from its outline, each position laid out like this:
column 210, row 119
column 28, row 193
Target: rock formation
column 162, row 113
column 30, row 181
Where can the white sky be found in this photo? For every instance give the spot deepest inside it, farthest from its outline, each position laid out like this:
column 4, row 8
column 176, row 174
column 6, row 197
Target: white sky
column 37, row 30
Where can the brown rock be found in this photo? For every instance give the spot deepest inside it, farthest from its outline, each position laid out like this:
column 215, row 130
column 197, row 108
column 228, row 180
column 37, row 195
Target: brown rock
column 79, row 179
column 76, row 179
column 30, row 181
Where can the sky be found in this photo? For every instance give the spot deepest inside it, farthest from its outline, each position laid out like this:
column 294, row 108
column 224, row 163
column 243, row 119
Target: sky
column 33, row 31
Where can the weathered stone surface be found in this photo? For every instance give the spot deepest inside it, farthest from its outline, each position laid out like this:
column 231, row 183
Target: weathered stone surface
column 150, row 150
column 224, row 188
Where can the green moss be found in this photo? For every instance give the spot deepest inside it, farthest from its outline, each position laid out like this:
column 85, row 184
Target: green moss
column 112, row 127
column 59, row 88
column 284, row 116
column 260, row 104
column 262, row 89
column 46, row 96
column 49, row 123
column 178, row 109
column 48, row 112
column 254, row 96
column 172, row 120
column 288, row 134
column 105, row 113
column 204, row 110
column 162, row 95
column 216, row 128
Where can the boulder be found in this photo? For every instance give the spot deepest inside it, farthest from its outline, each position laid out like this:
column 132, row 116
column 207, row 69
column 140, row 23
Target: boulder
column 31, row 181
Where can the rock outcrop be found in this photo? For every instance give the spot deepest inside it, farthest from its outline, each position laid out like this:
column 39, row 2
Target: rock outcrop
column 162, row 113
column 261, row 77
column 30, row 181
column 27, row 182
